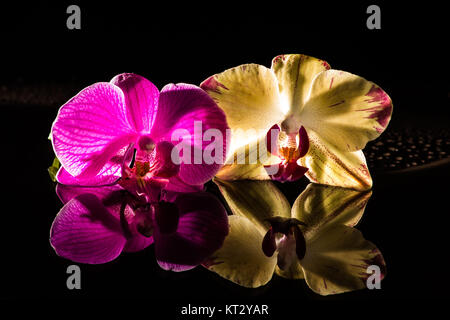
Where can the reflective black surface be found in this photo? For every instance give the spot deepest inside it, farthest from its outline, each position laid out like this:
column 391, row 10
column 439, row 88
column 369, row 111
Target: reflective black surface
column 405, row 217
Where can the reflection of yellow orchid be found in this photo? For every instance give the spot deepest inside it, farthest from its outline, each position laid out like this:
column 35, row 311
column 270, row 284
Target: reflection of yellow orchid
column 340, row 111
column 313, row 240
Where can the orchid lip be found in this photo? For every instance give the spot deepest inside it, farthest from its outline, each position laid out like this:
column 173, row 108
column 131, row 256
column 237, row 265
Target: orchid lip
column 289, row 146
column 289, row 227
column 293, row 146
column 288, row 149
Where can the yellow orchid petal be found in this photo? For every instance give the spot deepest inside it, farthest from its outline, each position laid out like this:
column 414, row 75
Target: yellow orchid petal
column 242, row 172
column 337, row 260
column 329, row 165
column 294, row 271
column 321, row 205
column 295, row 74
column 346, row 110
column 248, row 94
column 247, row 162
column 241, row 258
column 337, row 255
column 255, row 200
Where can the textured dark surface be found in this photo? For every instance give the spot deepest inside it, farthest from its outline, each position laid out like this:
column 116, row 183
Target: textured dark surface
column 408, row 148
column 37, row 94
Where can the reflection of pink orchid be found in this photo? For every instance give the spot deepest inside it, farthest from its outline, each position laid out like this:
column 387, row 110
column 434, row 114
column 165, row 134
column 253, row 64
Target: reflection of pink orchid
column 96, row 224
column 96, row 132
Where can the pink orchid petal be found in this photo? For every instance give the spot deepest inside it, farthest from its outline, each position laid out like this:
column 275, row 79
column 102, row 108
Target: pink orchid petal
column 137, row 242
column 175, row 267
column 84, row 231
column 166, row 167
column 91, row 132
column 202, row 228
column 141, row 99
column 103, row 193
column 177, row 185
column 196, row 174
column 63, row 177
column 66, row 178
column 111, row 197
column 127, row 159
column 181, row 106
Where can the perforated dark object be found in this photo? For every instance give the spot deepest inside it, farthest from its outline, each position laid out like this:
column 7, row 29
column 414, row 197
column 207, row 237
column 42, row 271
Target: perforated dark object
column 409, row 150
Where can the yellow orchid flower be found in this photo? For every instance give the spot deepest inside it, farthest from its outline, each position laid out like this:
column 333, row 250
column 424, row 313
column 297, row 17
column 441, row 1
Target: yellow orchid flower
column 314, row 240
column 323, row 119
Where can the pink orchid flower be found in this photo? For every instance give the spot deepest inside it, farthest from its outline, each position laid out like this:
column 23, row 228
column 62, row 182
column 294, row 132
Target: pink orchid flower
column 122, row 189
column 96, row 133
column 97, row 224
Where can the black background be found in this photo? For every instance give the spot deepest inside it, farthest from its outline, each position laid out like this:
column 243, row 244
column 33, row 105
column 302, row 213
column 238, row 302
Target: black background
column 171, row 42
